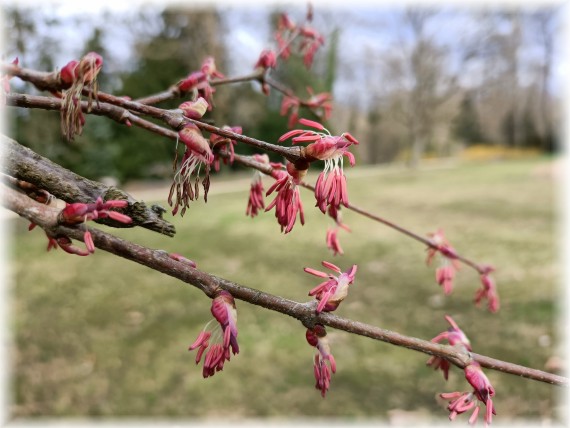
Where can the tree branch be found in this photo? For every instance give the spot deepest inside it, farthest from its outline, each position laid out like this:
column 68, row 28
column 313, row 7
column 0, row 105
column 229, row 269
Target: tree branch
column 24, row 164
column 46, row 217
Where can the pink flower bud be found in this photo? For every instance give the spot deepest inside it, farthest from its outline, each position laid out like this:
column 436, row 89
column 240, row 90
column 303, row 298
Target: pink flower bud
column 194, row 109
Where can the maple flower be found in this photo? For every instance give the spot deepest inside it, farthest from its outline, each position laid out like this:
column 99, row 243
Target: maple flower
column 317, row 337
column 267, row 59
column 194, row 109
column 198, row 82
column 75, row 76
column 310, row 43
column 332, row 233
column 455, row 337
column 330, row 188
column 197, row 153
column 227, row 143
column 320, row 104
column 287, row 203
column 333, row 291
column 483, row 391
column 290, row 105
column 488, row 290
column 448, row 263
column 224, row 311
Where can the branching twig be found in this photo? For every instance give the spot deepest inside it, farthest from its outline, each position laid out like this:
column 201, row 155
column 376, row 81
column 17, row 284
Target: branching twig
column 158, row 260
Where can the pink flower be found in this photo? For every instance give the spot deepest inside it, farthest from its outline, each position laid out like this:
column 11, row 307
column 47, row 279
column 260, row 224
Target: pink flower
column 79, row 212
column 196, row 154
column 461, row 402
column 320, row 104
column 194, row 109
column 290, row 105
column 330, row 188
column 255, row 202
column 455, row 337
column 310, row 43
column 267, row 59
column 488, row 290
column 227, row 143
column 332, row 242
column 287, row 203
column 333, row 291
column 224, row 311
column 448, row 263
column 317, row 337
column 199, row 81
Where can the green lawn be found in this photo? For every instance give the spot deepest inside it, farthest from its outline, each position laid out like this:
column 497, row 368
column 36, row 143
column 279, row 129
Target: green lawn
column 104, row 337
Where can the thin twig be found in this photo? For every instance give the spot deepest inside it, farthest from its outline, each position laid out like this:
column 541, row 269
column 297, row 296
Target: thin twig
column 46, row 217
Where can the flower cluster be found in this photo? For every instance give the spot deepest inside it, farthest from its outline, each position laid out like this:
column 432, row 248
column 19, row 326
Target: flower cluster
column 288, row 31
column 224, row 311
column 448, row 263
column 287, row 202
column 455, row 337
column 226, row 144
column 317, row 337
column 197, row 153
column 330, row 188
column 320, row 104
column 333, row 291
column 332, row 233
column 198, row 82
column 488, row 290
column 79, row 213
column 74, row 77
column 483, row 391
column 267, row 59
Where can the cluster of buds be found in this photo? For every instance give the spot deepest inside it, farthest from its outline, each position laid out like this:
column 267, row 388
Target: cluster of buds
column 483, row 391
column 74, row 77
column 448, row 263
column 224, row 311
column 288, row 31
column 488, row 290
column 267, row 59
column 198, row 82
column 330, row 188
column 333, row 291
column 255, row 201
column 332, row 241
column 320, row 104
column 287, row 202
column 317, row 337
column 224, row 144
column 79, row 213
column 197, row 153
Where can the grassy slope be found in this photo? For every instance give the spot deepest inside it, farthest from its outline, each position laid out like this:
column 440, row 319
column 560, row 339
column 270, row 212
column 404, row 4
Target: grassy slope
column 99, row 336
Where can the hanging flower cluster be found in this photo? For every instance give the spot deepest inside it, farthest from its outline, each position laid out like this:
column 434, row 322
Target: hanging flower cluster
column 197, row 153
column 287, row 202
column 330, row 188
column 483, row 391
column 488, row 290
column 74, row 77
column 448, row 263
column 198, row 82
column 225, row 145
column 80, row 213
column 320, row 104
column 317, row 337
column 332, row 241
column 224, row 311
